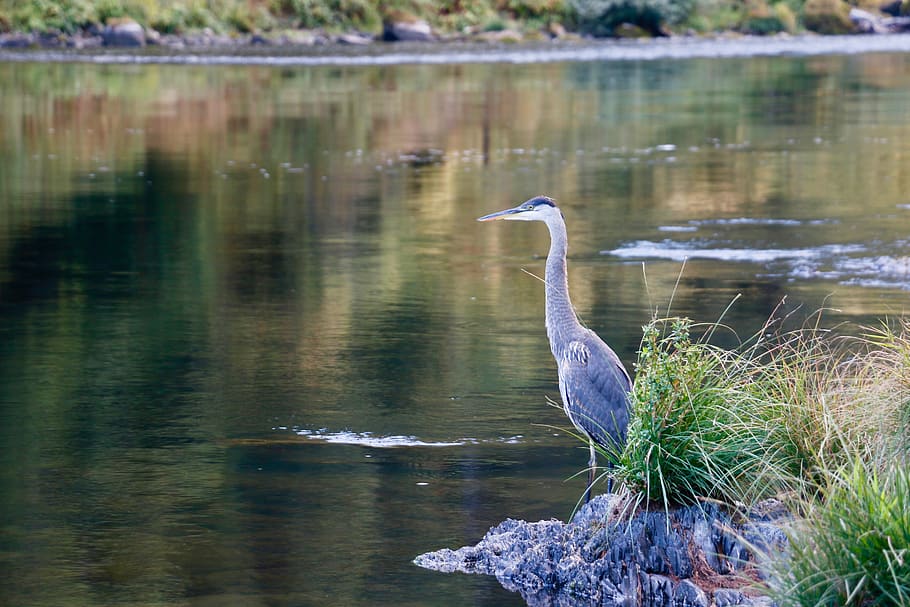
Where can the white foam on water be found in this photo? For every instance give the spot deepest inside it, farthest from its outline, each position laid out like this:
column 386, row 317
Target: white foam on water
column 848, row 264
column 677, row 251
column 677, row 229
column 369, row 439
column 882, row 271
column 747, row 221
column 878, row 271
column 680, row 251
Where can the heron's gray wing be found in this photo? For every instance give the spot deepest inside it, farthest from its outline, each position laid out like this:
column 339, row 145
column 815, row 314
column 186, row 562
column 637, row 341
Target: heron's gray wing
column 595, row 390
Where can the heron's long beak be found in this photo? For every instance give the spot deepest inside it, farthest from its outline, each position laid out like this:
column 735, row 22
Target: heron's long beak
column 500, row 214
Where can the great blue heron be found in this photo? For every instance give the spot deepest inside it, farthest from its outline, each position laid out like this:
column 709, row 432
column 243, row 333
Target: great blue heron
column 593, row 382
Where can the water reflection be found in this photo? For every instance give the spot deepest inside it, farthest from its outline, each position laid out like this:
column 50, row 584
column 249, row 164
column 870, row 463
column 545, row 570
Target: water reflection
column 224, row 291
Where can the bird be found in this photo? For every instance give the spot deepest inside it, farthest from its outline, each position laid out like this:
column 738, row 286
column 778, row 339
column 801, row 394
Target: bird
column 594, row 385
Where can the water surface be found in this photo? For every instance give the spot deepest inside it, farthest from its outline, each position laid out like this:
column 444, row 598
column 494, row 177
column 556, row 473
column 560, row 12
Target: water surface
column 256, row 350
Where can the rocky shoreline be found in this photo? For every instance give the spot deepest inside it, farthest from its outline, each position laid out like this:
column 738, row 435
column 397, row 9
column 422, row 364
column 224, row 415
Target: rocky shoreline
column 127, row 34
column 698, row 556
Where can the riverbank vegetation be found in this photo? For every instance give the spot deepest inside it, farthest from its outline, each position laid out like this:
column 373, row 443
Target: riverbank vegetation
column 817, row 421
column 448, row 18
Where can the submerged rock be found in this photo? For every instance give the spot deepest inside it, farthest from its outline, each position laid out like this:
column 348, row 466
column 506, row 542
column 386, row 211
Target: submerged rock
column 697, row 556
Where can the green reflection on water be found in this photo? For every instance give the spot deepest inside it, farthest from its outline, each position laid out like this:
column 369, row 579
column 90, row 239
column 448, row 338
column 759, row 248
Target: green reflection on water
column 195, row 261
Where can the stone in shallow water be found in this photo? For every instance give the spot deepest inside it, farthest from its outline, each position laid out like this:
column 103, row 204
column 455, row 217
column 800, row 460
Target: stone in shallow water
column 17, row 40
column 126, row 33
column 353, row 39
column 407, row 31
column 652, row 559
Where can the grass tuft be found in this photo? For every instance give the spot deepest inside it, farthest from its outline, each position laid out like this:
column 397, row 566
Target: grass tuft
column 817, row 419
column 696, row 430
column 853, row 548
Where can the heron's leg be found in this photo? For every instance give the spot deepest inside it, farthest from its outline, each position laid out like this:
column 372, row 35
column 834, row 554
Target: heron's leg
column 610, row 478
column 592, row 464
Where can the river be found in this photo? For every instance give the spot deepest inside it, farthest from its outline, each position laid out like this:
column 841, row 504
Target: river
column 256, row 350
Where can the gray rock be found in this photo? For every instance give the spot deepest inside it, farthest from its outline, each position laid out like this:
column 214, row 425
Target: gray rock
column 891, row 7
column 17, row 40
column 866, row 22
column 354, row 39
column 656, row 590
column 126, row 33
column 506, row 35
column 871, row 23
column 407, row 31
column 649, row 560
column 84, row 42
column 555, row 30
column 687, row 594
column 53, row 39
column 300, row 38
column 727, row 597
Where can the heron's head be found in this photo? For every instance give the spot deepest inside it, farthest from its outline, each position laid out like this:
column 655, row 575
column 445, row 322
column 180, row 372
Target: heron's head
column 539, row 208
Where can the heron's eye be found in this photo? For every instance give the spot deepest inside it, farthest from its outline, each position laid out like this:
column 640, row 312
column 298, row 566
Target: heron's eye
column 528, row 207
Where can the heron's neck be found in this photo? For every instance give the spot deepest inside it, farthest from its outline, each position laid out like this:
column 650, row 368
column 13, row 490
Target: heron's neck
column 561, row 319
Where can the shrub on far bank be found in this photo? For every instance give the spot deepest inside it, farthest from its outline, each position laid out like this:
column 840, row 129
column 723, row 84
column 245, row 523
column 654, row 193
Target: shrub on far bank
column 761, row 19
column 714, row 15
column 181, row 18
column 530, row 9
column 535, row 14
column 41, row 15
column 332, row 15
column 828, row 17
column 247, row 18
column 602, row 17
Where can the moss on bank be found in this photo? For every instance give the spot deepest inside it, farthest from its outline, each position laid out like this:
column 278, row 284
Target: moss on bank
column 446, row 17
